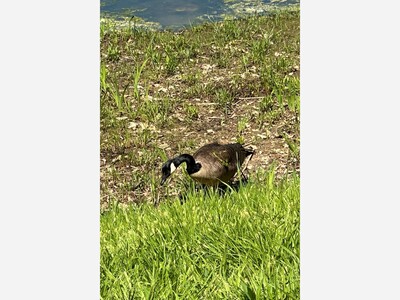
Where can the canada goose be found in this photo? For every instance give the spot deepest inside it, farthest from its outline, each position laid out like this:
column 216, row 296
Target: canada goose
column 211, row 165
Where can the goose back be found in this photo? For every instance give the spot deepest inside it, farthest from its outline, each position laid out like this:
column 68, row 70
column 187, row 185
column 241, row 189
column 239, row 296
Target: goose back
column 219, row 163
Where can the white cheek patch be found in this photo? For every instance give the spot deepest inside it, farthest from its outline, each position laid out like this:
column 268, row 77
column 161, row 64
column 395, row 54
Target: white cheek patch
column 172, row 167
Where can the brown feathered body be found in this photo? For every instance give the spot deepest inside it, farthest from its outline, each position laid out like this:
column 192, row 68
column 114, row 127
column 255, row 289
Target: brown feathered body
column 219, row 163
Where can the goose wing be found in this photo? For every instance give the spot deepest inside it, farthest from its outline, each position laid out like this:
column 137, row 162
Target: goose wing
column 220, row 161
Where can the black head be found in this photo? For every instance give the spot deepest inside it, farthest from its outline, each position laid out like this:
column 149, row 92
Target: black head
column 167, row 169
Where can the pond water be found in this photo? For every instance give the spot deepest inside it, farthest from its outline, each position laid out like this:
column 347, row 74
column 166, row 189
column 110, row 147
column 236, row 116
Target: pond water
column 175, row 14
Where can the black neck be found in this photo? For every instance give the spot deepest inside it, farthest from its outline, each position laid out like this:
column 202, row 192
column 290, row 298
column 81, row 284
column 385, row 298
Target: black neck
column 191, row 165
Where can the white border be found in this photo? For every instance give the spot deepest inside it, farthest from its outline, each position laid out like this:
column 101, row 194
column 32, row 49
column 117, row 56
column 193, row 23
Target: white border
column 50, row 150
column 349, row 150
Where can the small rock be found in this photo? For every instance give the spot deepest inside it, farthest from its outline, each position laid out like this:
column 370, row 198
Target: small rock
column 133, row 125
column 163, row 146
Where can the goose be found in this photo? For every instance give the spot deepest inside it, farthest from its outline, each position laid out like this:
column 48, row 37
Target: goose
column 211, row 165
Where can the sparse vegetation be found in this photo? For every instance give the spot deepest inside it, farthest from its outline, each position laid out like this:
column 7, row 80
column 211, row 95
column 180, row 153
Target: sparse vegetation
column 160, row 89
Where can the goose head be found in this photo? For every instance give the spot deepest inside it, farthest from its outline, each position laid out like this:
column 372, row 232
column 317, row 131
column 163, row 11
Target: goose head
column 167, row 169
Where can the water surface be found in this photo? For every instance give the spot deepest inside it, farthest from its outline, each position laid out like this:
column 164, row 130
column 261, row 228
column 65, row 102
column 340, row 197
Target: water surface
column 176, row 14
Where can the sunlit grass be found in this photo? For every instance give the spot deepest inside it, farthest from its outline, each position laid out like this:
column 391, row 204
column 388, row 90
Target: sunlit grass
column 241, row 245
column 160, row 91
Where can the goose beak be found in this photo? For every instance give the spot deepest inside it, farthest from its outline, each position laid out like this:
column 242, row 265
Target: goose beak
column 163, row 180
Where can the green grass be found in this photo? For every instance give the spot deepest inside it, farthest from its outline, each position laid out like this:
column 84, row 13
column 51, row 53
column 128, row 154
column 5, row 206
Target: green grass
column 165, row 93
column 241, row 245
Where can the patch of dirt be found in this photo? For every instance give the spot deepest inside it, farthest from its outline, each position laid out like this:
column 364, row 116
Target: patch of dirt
column 211, row 95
